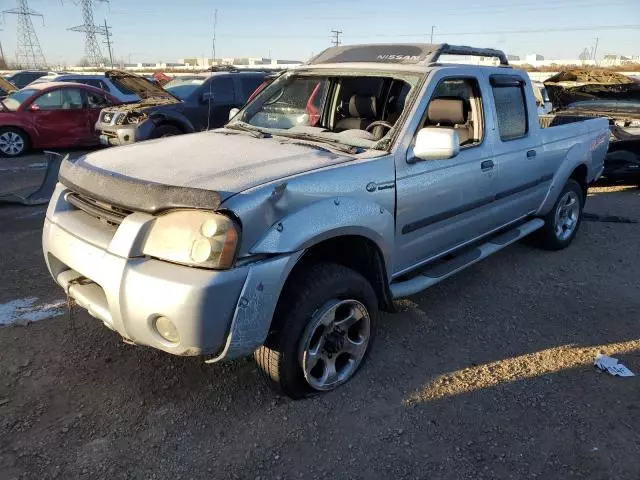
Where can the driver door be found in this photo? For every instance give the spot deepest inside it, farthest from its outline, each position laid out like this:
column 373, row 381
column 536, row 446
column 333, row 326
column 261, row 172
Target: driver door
column 441, row 204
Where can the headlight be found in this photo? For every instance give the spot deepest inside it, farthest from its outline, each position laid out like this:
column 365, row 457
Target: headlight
column 193, row 237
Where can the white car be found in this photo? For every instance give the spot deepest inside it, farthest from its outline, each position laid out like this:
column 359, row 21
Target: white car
column 99, row 81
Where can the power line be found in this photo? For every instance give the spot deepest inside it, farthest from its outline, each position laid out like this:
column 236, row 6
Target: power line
column 444, row 34
column 336, row 37
column 91, row 31
column 108, row 35
column 28, row 51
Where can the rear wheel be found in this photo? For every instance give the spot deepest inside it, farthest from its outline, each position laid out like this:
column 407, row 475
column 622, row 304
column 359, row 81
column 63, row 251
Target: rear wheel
column 563, row 221
column 325, row 326
column 13, row 142
column 165, row 131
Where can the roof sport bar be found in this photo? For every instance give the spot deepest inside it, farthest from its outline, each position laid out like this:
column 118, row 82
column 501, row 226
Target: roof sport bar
column 446, row 49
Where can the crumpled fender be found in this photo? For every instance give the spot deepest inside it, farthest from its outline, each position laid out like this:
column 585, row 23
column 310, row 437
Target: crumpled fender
column 577, row 155
column 329, row 218
column 172, row 116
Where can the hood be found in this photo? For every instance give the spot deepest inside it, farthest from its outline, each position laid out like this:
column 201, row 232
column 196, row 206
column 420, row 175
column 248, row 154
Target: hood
column 7, row 86
column 570, row 86
column 139, row 85
column 147, row 106
column 199, row 170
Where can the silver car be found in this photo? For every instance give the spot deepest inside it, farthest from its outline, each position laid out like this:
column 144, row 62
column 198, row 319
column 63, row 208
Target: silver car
column 368, row 174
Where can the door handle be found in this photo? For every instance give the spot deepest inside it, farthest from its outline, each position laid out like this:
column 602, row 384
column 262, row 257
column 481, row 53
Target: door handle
column 486, row 165
column 531, row 154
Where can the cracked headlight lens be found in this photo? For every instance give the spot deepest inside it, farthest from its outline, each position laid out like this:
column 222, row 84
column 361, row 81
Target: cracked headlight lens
column 194, row 237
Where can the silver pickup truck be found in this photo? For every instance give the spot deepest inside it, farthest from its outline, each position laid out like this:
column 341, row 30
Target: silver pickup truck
column 370, row 173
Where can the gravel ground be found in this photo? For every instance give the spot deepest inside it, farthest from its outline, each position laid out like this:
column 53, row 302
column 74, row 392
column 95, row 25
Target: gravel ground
column 487, row 375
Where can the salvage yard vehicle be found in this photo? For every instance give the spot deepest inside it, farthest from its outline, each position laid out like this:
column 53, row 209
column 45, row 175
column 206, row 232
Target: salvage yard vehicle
column 370, row 173
column 602, row 93
column 50, row 115
column 6, row 87
column 100, row 81
column 184, row 105
column 23, row 78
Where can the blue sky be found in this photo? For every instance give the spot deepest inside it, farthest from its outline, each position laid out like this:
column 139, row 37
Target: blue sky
column 166, row 30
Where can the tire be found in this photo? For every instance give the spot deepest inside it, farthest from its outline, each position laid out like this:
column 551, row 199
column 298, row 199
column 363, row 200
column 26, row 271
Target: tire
column 554, row 237
column 13, row 142
column 165, row 131
column 316, row 295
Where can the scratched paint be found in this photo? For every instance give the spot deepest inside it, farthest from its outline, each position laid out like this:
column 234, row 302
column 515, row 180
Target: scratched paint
column 29, row 310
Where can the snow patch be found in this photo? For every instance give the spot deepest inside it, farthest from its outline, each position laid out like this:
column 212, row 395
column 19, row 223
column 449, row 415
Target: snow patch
column 27, row 310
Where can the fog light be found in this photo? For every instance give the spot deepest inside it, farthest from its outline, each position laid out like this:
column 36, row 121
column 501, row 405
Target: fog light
column 167, row 329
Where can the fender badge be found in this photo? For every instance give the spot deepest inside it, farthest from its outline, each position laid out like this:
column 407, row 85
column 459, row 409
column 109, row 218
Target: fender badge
column 371, row 187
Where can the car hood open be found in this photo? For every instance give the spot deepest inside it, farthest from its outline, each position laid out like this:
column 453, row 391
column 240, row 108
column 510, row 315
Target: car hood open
column 7, row 86
column 570, row 86
column 139, row 85
column 198, row 170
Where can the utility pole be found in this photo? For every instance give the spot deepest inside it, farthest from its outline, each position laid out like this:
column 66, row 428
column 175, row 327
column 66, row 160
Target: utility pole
column 595, row 51
column 336, row 37
column 213, row 43
column 433, row 27
column 3, row 61
column 28, row 51
column 91, row 31
column 108, row 34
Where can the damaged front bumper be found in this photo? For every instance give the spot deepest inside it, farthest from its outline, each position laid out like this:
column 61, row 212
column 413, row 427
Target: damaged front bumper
column 222, row 313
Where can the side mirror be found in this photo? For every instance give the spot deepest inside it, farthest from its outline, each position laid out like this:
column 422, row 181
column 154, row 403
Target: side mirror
column 436, row 144
column 206, row 97
column 233, row 112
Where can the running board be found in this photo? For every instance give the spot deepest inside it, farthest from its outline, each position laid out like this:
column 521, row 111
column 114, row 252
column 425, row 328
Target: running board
column 443, row 269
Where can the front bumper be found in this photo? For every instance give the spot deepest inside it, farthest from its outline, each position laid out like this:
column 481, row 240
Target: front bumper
column 112, row 133
column 223, row 313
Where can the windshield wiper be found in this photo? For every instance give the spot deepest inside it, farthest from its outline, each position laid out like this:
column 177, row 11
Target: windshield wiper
column 244, row 127
column 334, row 144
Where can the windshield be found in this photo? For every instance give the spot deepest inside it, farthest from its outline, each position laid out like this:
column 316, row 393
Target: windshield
column 331, row 107
column 14, row 100
column 183, row 88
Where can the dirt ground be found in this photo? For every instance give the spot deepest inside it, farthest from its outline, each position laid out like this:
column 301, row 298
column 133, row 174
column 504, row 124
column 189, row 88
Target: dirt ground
column 487, row 375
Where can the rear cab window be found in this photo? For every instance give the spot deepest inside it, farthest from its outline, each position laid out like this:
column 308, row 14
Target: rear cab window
column 511, row 106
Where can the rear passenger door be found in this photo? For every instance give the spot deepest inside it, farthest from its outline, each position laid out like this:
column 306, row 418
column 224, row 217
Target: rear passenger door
column 519, row 155
column 441, row 204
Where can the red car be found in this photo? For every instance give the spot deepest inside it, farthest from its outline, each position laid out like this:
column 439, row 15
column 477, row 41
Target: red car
column 51, row 115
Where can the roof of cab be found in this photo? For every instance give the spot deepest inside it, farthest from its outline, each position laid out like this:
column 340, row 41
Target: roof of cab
column 420, row 56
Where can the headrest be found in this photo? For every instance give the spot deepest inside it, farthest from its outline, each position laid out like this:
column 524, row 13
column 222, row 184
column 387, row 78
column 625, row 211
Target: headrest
column 362, row 106
column 447, row 111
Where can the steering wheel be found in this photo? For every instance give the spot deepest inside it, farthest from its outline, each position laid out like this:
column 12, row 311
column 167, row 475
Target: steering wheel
column 379, row 123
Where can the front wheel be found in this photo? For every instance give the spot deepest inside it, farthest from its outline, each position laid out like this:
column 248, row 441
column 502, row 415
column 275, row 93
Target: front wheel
column 563, row 221
column 13, row 142
column 324, row 328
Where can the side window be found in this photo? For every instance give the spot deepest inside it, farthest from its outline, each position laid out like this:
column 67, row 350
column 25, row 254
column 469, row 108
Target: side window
column 49, row 101
column 71, row 99
column 456, row 103
column 223, row 90
column 511, row 109
column 97, row 100
column 102, row 85
column 249, row 85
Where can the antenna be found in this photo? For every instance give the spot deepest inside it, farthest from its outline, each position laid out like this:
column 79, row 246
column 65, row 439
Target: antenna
column 336, row 37
column 91, row 46
column 28, row 51
column 213, row 42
